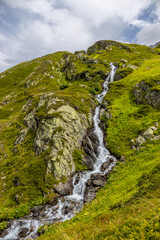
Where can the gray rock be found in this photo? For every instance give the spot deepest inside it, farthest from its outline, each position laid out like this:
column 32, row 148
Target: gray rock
column 122, row 159
column 106, row 164
column 64, row 188
column 124, row 61
column 102, row 112
column 140, row 140
column 30, row 121
column 144, row 94
column 149, row 132
column 90, row 147
column 93, row 185
column 21, row 137
column 108, row 115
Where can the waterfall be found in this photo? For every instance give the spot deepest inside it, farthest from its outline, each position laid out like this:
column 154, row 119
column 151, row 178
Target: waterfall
column 29, row 225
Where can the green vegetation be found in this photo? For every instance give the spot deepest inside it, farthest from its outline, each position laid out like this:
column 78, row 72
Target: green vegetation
column 128, row 206
column 77, row 157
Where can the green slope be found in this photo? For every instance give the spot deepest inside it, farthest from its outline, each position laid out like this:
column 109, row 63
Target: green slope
column 128, row 207
column 130, row 197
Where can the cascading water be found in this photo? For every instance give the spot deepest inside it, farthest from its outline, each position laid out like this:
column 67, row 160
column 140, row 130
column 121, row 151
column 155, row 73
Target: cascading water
column 68, row 206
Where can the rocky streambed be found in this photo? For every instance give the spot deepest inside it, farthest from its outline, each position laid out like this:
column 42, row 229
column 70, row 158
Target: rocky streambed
column 82, row 188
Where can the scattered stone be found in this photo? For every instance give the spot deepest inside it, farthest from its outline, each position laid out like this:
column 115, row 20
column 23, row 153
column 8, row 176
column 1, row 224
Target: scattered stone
column 148, row 134
column 124, row 61
column 122, row 159
column 108, row 115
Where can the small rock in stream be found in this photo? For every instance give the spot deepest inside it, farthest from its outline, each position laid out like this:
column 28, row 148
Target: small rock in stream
column 23, row 232
column 106, row 164
column 96, row 181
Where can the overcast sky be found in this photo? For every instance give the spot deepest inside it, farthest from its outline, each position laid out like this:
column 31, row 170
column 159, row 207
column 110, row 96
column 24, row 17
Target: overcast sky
column 33, row 28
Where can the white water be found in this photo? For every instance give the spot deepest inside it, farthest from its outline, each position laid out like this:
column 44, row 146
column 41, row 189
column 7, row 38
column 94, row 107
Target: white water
column 75, row 201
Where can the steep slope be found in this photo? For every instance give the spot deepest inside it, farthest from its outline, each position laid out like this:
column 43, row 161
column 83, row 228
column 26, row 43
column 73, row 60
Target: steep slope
column 128, row 206
column 46, row 111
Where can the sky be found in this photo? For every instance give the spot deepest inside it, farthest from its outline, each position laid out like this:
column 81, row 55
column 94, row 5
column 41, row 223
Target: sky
column 34, row 28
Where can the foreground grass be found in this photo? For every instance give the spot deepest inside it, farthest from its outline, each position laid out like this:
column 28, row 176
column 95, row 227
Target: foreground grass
column 128, row 207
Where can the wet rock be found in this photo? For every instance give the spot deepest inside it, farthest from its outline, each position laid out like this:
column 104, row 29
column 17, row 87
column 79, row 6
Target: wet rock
column 99, row 182
column 23, row 232
column 64, row 188
column 90, row 146
column 4, row 233
column 105, row 165
column 104, row 104
column 93, row 185
column 37, row 211
column 67, row 209
column 78, row 176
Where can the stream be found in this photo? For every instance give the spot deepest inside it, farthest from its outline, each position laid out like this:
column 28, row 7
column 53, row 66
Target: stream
column 67, row 206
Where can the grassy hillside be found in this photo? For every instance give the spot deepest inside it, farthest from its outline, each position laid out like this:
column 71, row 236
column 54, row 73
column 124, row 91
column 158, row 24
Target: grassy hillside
column 23, row 174
column 128, row 207
column 131, row 195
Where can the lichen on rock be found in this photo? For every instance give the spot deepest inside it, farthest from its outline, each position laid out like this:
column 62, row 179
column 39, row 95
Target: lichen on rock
column 61, row 132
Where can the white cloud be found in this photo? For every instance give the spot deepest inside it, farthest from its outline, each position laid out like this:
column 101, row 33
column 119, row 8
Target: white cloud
column 70, row 25
column 150, row 34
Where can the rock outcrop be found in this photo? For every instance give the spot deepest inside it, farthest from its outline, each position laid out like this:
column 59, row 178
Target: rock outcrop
column 90, row 147
column 148, row 134
column 60, row 131
column 144, row 94
column 95, row 182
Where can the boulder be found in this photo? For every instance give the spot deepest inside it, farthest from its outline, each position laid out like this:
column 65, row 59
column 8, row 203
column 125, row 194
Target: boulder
column 102, row 112
column 95, row 182
column 64, row 188
column 149, row 133
column 140, row 140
